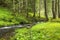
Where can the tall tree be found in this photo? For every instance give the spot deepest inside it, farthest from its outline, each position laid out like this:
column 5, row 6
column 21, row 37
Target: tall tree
column 39, row 8
column 24, row 4
column 53, row 9
column 34, row 10
column 27, row 8
column 19, row 10
column 56, row 7
column 45, row 6
column 14, row 9
column 59, row 8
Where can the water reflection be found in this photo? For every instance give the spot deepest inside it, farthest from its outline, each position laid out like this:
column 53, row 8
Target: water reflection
column 7, row 33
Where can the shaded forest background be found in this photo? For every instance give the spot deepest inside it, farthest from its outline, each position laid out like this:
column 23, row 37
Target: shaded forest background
column 42, row 18
column 33, row 10
column 32, row 5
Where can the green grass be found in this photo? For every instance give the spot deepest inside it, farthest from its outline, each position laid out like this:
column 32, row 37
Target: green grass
column 41, row 31
column 7, row 19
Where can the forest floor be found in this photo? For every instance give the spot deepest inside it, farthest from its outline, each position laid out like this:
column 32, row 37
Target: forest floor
column 41, row 31
column 7, row 19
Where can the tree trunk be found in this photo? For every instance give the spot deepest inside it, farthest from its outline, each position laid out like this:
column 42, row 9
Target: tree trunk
column 24, row 4
column 53, row 9
column 19, row 10
column 14, row 9
column 58, row 8
column 45, row 6
column 39, row 8
column 27, row 8
column 34, row 8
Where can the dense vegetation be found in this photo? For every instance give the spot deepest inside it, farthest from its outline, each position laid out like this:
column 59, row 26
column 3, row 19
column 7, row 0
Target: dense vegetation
column 45, row 13
column 41, row 31
column 7, row 19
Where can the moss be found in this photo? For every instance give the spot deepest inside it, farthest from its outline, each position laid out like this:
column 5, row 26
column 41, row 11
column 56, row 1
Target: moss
column 7, row 19
column 41, row 31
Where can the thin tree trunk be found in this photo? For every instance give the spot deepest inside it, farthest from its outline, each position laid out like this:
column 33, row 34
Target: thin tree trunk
column 58, row 8
column 45, row 6
column 39, row 8
column 27, row 8
column 24, row 4
column 34, row 8
column 19, row 7
column 53, row 9
column 14, row 7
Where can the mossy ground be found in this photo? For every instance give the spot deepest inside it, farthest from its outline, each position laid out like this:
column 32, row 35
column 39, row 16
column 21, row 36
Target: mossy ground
column 41, row 31
column 7, row 19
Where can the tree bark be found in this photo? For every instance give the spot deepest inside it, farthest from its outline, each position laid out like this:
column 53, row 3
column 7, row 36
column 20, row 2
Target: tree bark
column 39, row 8
column 27, row 8
column 14, row 9
column 58, row 8
column 34, row 7
column 19, row 10
column 45, row 6
column 53, row 9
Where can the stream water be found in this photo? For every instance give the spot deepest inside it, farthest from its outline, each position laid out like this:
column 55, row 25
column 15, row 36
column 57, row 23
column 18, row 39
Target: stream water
column 7, row 32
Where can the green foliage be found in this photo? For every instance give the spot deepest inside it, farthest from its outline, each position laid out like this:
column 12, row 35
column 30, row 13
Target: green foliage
column 6, row 3
column 55, row 20
column 41, row 31
column 6, row 18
